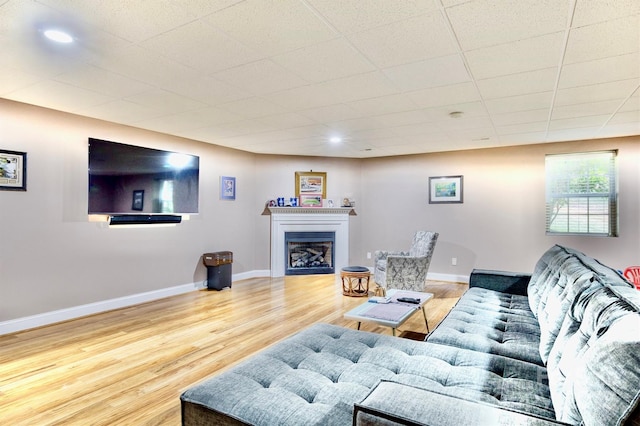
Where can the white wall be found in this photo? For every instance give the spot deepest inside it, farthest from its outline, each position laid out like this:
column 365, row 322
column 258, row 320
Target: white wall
column 501, row 224
column 52, row 258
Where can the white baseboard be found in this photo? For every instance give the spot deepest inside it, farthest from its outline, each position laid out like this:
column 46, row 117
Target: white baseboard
column 47, row 318
column 448, row 277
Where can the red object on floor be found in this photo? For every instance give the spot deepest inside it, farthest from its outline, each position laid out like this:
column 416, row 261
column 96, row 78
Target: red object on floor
column 632, row 273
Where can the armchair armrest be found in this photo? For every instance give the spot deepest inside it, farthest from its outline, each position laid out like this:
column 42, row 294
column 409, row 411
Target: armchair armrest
column 502, row 281
column 383, row 254
column 391, row 403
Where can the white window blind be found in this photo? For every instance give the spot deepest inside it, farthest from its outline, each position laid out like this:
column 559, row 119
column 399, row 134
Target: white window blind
column 582, row 194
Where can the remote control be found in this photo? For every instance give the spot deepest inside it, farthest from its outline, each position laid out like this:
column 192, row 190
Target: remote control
column 409, row 300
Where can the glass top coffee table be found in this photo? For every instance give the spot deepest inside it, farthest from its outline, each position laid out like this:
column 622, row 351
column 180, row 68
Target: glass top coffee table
column 392, row 314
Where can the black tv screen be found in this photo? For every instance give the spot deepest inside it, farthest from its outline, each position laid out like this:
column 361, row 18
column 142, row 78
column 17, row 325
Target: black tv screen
column 127, row 179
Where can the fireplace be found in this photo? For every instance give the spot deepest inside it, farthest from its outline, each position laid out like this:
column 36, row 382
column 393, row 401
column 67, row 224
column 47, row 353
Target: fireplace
column 309, row 253
column 334, row 220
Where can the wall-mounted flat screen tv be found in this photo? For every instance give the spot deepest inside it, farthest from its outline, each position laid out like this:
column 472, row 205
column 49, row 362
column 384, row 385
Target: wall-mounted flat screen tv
column 127, row 179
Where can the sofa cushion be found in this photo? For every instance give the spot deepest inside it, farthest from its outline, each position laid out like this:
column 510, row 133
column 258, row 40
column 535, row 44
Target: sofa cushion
column 562, row 277
column 316, row 375
column 489, row 321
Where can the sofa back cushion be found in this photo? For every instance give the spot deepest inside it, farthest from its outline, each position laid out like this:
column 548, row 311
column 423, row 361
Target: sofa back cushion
column 590, row 337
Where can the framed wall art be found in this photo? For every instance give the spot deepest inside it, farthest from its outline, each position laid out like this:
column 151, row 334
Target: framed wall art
column 445, row 189
column 138, row 200
column 227, row 188
column 311, row 183
column 13, row 170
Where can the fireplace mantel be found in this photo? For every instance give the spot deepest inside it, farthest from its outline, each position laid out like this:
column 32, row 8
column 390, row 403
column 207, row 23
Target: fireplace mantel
column 309, row 210
column 308, row 219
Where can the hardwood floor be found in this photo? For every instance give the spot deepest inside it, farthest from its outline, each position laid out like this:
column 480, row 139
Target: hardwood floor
column 129, row 366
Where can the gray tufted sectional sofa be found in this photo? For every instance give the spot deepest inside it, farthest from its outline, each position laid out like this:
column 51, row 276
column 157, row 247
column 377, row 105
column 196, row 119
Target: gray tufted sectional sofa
column 559, row 346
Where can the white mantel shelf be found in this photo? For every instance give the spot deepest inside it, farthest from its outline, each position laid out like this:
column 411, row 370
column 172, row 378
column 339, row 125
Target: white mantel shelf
column 308, row 219
column 310, row 210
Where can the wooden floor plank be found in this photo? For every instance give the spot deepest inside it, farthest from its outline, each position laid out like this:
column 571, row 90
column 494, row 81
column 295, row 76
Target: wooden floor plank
column 129, row 366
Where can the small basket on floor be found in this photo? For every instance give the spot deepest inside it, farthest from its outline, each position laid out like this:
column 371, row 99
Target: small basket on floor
column 355, row 281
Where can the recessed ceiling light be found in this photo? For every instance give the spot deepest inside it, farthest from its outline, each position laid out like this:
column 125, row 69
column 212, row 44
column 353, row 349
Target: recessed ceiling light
column 335, row 139
column 58, row 36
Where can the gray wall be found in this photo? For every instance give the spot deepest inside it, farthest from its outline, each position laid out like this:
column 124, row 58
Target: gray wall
column 52, row 257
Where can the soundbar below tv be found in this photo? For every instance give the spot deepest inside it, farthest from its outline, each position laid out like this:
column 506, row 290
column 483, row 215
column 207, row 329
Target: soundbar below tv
column 143, row 219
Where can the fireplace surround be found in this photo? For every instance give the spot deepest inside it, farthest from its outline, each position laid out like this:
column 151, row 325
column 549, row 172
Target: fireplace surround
column 301, row 219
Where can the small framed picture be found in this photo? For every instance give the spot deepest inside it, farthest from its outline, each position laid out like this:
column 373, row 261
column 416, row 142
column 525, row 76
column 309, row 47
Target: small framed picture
column 311, row 200
column 445, row 189
column 138, row 200
column 13, row 170
column 227, row 188
column 311, row 183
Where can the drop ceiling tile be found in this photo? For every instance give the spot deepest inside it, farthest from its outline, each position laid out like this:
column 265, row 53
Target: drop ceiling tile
column 272, row 27
column 383, row 105
column 120, row 111
column 132, row 20
column 592, row 121
column 144, row 65
column 13, row 79
column 528, row 128
column 330, row 113
column 518, row 84
column 404, row 118
column 286, row 120
column 610, row 38
column 260, row 77
column 350, row 16
column 597, row 92
column 445, row 95
column 521, row 117
column 324, row 61
column 516, row 57
column 60, row 96
column 624, row 117
column 192, row 119
column 523, row 138
column 406, row 41
column 605, row 70
column 200, row 46
column 434, row 72
column 209, row 90
column 303, row 98
column 165, row 102
column 573, row 133
column 484, row 23
column 418, row 130
column 457, row 125
column 99, row 80
column 468, row 110
column 592, row 11
column 361, row 86
column 526, row 102
column 253, row 107
column 586, row 109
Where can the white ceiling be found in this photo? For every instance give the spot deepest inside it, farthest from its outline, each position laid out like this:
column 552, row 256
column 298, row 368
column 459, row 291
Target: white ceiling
column 283, row 76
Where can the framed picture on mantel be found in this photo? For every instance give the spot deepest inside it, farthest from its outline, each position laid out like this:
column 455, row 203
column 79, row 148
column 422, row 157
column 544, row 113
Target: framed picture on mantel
column 311, row 183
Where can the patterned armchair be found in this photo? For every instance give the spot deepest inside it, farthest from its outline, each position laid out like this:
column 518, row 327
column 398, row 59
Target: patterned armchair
column 406, row 270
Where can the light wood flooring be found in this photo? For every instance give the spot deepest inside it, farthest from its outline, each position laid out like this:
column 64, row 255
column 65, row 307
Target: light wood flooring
column 129, row 366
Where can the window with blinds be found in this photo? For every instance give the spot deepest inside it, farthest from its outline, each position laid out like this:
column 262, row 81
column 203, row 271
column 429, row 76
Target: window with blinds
column 581, row 194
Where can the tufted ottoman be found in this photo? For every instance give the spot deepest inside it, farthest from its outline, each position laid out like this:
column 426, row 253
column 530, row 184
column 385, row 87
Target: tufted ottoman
column 317, row 375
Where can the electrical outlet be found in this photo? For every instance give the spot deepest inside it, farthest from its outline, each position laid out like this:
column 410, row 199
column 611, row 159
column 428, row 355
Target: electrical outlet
column 454, row 261
column 368, row 255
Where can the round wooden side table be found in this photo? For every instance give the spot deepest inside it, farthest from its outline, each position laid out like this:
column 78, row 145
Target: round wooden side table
column 355, row 281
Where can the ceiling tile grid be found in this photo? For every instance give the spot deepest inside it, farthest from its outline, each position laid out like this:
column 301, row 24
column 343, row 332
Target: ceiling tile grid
column 284, row 76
